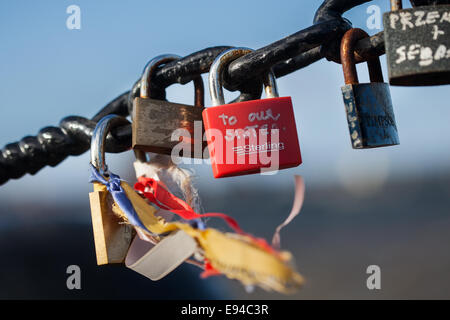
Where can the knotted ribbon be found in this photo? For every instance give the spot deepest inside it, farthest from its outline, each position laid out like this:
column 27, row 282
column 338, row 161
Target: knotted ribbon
column 238, row 256
column 113, row 185
column 164, row 199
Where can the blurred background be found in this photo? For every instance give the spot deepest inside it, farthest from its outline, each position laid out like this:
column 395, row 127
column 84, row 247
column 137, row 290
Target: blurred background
column 386, row 206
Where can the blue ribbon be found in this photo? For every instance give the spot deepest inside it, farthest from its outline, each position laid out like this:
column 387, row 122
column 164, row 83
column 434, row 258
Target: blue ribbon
column 118, row 194
column 198, row 224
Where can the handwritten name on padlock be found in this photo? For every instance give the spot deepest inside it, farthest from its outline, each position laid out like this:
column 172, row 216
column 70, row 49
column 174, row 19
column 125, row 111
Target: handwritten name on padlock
column 251, row 136
column 250, row 130
column 418, row 45
column 247, row 136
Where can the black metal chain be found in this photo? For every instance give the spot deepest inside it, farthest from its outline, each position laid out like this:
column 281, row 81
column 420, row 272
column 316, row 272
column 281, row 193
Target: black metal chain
column 54, row 144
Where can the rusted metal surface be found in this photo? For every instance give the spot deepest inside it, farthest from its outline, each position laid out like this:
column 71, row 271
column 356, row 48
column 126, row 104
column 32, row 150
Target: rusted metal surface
column 370, row 115
column 156, row 120
column 396, row 5
column 199, row 94
column 348, row 43
column 368, row 106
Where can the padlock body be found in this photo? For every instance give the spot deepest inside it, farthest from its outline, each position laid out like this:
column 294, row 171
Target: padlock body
column 417, row 45
column 370, row 115
column 112, row 237
column 241, row 140
column 154, row 122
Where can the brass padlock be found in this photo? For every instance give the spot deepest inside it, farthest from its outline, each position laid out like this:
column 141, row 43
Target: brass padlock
column 417, row 44
column 154, row 121
column 112, row 237
column 370, row 115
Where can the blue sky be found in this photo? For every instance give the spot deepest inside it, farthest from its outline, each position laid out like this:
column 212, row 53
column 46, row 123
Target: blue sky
column 49, row 72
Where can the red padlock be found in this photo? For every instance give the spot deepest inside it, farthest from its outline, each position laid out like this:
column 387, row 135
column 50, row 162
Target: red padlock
column 252, row 136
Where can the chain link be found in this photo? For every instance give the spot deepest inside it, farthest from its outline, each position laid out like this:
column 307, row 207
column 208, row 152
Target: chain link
column 72, row 137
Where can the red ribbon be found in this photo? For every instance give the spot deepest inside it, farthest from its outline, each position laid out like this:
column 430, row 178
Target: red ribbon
column 157, row 194
column 209, row 271
column 168, row 201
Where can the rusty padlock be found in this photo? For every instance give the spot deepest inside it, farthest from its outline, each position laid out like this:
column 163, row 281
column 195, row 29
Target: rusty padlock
column 370, row 115
column 154, row 121
column 251, row 136
column 417, row 44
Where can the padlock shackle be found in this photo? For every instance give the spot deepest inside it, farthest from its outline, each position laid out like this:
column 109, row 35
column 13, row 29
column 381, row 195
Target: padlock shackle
column 199, row 97
column 152, row 66
column 396, row 5
column 218, row 67
column 99, row 135
column 348, row 43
